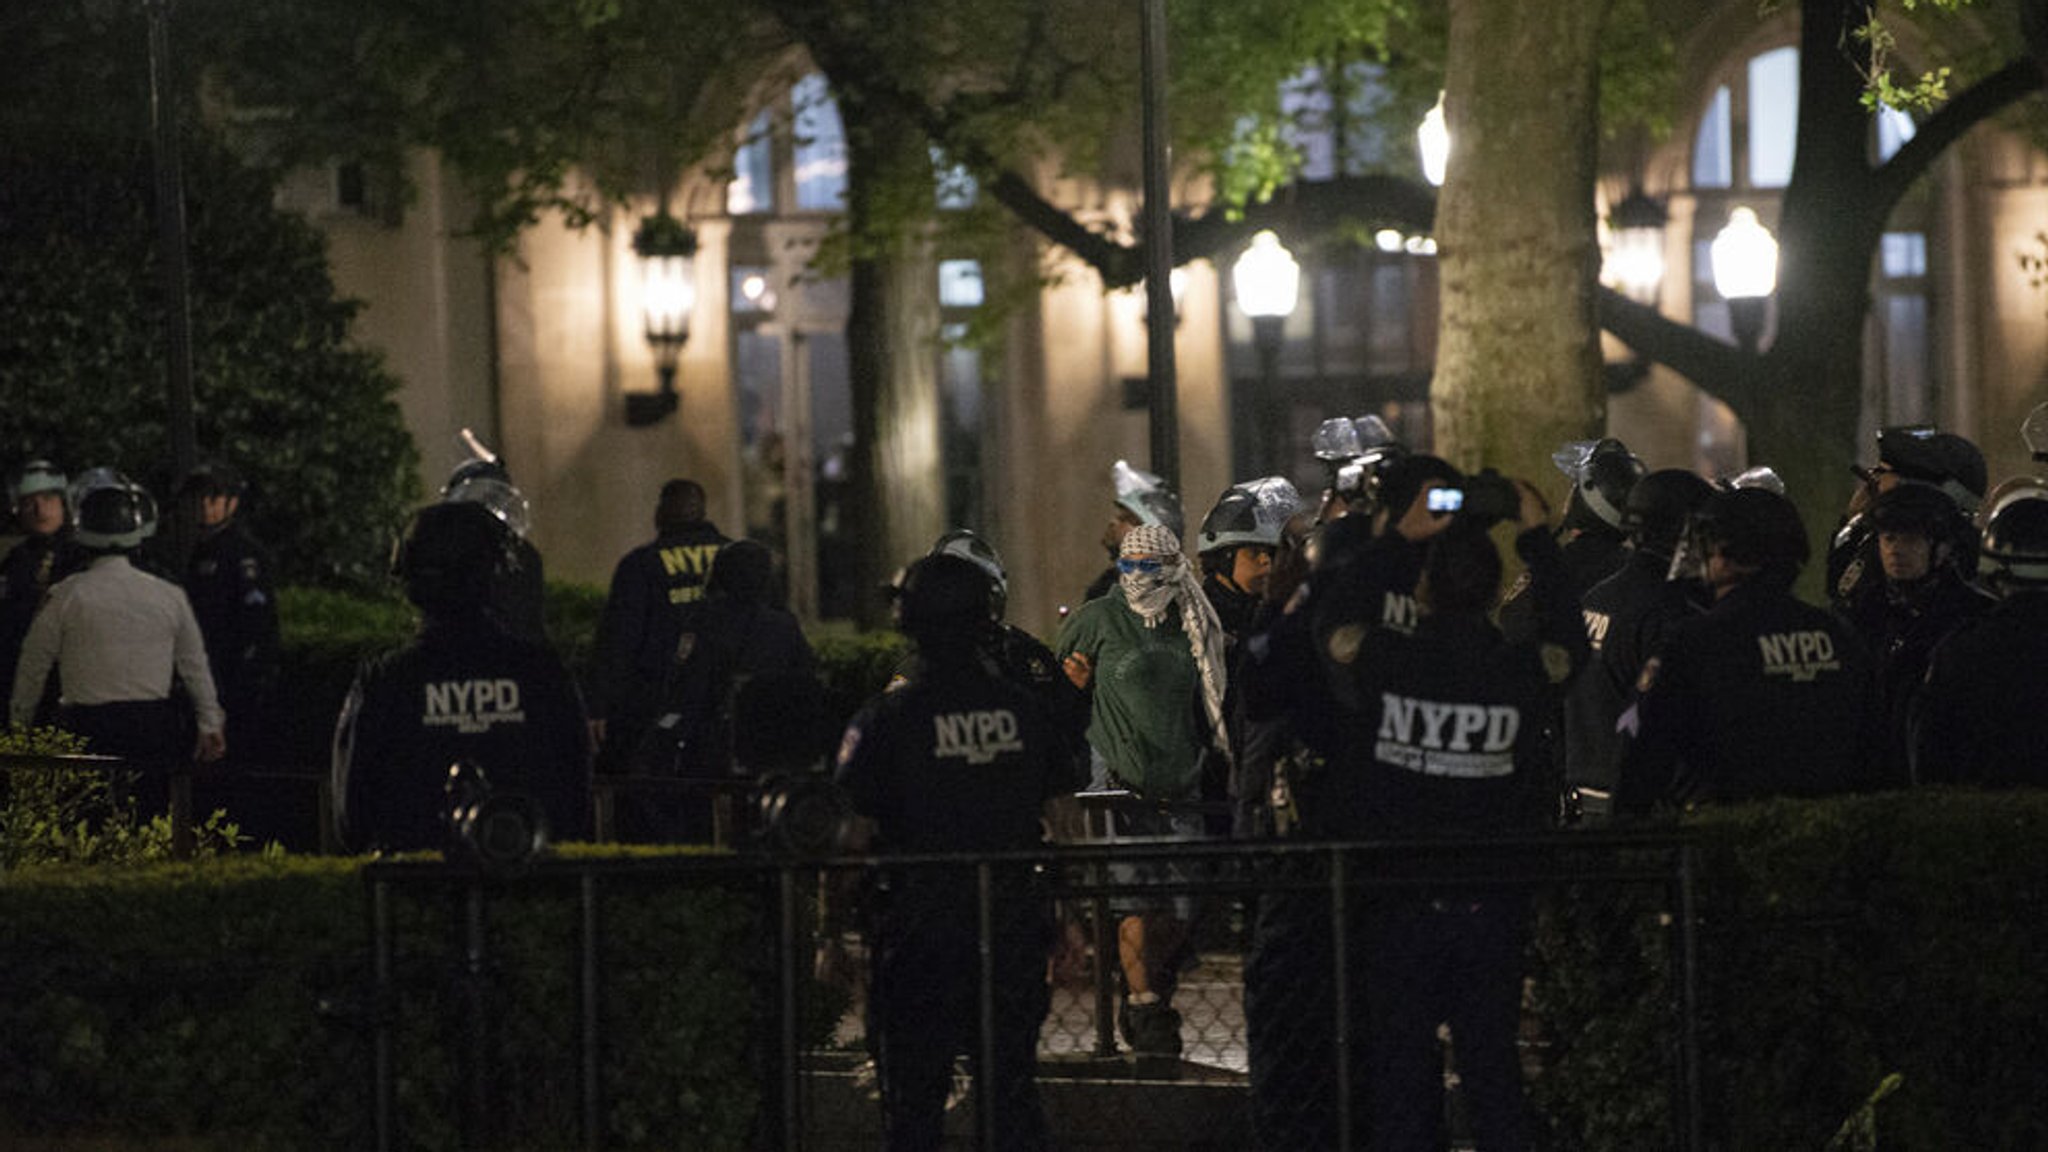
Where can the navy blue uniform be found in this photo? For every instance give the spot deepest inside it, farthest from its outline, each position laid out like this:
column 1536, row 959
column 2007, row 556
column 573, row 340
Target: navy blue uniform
column 229, row 581
column 1448, row 739
column 467, row 689
column 1977, row 719
column 1901, row 626
column 29, row 571
column 652, row 591
column 954, row 760
column 1628, row 616
column 1763, row 695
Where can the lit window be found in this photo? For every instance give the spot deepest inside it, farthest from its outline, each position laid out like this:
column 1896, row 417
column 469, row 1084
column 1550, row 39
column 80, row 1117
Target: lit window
column 1713, row 160
column 1894, row 128
column 820, row 148
column 1773, row 116
column 1903, row 255
column 960, row 284
column 753, row 170
column 956, row 186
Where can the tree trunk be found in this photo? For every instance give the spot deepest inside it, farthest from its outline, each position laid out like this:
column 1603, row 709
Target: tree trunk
column 1518, row 360
column 1809, row 387
column 891, row 335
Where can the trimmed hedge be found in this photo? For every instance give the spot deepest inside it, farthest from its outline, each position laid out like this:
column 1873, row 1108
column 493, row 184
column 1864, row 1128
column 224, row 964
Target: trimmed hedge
column 1841, row 942
column 227, row 1005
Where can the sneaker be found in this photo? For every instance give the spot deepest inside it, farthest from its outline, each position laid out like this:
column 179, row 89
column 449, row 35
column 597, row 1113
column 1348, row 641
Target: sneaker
column 1151, row 1029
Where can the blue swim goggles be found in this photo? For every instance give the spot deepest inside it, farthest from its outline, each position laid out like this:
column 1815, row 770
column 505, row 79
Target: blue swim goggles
column 1148, row 565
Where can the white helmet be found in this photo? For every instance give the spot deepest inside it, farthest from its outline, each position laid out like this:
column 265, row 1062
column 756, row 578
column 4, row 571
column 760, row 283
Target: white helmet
column 1253, row 512
column 1147, row 497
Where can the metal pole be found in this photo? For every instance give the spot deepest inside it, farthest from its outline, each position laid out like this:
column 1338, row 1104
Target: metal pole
column 985, row 1084
column 792, row 1082
column 382, row 1013
column 171, row 238
column 1340, row 966
column 1689, row 1003
column 593, row 1112
column 1158, row 234
column 1266, row 334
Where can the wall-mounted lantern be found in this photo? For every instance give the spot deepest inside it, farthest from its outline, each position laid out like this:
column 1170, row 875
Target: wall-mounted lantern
column 667, row 249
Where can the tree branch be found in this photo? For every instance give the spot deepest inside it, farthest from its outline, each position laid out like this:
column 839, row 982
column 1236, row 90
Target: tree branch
column 2017, row 79
column 1720, row 369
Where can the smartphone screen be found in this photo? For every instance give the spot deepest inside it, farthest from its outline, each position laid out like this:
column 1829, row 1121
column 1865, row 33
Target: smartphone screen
column 1446, row 499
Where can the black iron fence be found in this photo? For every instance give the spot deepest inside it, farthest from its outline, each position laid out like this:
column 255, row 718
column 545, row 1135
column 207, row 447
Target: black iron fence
column 830, row 925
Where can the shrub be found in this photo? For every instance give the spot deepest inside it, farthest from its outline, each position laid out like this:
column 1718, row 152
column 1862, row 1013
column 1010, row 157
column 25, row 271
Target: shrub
column 227, row 1006
column 1841, row 942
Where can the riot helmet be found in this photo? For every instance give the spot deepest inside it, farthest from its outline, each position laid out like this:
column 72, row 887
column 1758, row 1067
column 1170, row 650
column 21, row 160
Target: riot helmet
column 31, row 478
column 944, row 598
column 112, row 512
column 2015, row 543
column 449, row 555
column 1754, row 527
column 1657, row 508
column 1943, row 459
column 497, row 496
column 1254, row 513
column 972, row 547
column 1146, row 496
column 1915, row 507
column 1602, row 472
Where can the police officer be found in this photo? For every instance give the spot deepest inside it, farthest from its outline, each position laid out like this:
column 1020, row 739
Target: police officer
column 1925, row 597
column 1141, row 498
column 1917, row 453
column 1590, row 533
column 1627, row 617
column 955, row 760
column 228, row 578
column 1016, row 654
column 652, row 590
column 1444, row 739
column 1977, row 719
column 465, row 690
column 1239, row 540
column 118, row 636
column 519, row 589
column 1763, row 694
column 46, row 554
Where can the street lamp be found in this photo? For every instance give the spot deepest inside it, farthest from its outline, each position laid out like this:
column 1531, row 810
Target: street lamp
column 1267, row 283
column 1433, row 139
column 668, row 269
column 1745, row 260
column 1635, row 259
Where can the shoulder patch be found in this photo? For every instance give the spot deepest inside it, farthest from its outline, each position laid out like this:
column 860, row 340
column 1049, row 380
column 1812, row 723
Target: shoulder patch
column 1557, row 663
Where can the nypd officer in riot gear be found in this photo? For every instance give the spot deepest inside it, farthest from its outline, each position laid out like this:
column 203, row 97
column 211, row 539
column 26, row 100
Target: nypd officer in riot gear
column 1627, row 616
column 117, row 636
column 1924, row 597
column 46, row 554
column 1590, row 533
column 519, row 591
column 957, row 759
column 1442, row 725
column 1977, row 719
column 1763, row 694
column 467, row 689
column 1913, row 453
column 1015, row 654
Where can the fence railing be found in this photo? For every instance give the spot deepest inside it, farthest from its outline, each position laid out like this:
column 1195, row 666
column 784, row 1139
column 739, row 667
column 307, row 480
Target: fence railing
column 821, row 1094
